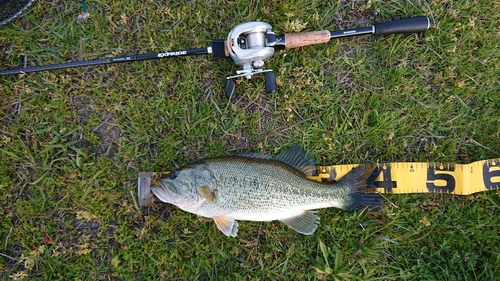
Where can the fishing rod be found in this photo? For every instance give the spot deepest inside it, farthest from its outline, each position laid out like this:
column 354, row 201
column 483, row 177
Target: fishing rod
column 249, row 44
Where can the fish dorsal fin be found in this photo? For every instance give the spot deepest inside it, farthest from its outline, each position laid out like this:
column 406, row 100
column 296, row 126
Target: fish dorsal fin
column 227, row 225
column 305, row 223
column 296, row 157
column 255, row 155
column 208, row 194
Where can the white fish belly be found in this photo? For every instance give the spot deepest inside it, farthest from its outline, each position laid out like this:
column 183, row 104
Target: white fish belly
column 271, row 215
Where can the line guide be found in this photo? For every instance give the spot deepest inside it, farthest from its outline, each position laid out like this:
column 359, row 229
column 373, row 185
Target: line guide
column 395, row 178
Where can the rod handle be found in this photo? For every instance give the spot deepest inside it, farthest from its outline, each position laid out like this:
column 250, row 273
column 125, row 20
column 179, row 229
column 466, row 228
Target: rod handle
column 294, row 40
column 408, row 25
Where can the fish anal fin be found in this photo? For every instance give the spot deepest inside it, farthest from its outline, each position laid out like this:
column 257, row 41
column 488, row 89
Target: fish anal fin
column 305, row 223
column 227, row 225
column 208, row 194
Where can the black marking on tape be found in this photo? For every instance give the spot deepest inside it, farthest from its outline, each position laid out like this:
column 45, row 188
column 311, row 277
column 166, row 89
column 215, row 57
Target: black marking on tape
column 437, row 172
column 491, row 169
column 387, row 183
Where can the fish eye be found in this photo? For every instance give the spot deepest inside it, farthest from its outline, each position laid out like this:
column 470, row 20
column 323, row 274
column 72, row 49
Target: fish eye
column 173, row 175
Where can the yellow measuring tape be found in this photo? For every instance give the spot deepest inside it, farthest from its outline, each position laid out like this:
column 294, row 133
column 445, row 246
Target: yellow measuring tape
column 409, row 177
column 396, row 178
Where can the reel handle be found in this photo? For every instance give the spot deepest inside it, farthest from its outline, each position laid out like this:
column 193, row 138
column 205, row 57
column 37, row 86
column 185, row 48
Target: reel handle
column 409, row 25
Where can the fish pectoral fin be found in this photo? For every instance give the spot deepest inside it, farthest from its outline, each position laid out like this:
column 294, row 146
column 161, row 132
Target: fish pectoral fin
column 227, row 225
column 305, row 223
column 207, row 193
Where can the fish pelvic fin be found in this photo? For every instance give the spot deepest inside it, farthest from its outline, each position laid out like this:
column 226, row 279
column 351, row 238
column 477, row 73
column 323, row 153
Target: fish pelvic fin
column 305, row 223
column 356, row 181
column 227, row 225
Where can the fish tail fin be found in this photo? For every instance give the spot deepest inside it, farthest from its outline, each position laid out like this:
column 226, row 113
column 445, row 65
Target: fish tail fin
column 358, row 197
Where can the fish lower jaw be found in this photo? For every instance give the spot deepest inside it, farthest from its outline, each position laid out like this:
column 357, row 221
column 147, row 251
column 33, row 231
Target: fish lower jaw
column 192, row 207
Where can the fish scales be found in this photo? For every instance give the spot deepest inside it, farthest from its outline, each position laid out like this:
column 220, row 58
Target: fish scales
column 261, row 187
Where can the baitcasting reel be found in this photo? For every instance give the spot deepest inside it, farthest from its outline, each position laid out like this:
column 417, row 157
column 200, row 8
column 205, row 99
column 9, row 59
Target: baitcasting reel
column 249, row 44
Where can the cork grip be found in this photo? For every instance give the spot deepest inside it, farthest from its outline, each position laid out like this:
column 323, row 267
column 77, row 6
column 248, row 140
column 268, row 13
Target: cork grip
column 294, row 40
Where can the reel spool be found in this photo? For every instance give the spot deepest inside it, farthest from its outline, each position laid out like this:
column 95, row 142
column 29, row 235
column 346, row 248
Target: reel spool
column 249, row 44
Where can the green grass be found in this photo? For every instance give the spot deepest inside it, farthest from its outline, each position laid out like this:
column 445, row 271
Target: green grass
column 73, row 141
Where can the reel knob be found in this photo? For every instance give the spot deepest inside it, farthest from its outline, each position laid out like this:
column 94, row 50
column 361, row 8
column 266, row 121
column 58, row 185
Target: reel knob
column 270, row 80
column 230, row 89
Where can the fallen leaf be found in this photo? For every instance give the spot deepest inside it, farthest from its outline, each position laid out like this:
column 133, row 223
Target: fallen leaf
column 425, row 222
column 47, row 240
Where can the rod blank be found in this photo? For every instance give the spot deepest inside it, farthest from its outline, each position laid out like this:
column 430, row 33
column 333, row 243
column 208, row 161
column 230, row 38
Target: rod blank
column 107, row 61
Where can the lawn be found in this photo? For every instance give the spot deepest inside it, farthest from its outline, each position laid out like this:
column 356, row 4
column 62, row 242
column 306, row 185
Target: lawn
column 73, row 141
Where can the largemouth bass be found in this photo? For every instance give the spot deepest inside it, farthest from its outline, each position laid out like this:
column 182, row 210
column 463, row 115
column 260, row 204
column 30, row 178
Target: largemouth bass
column 256, row 187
